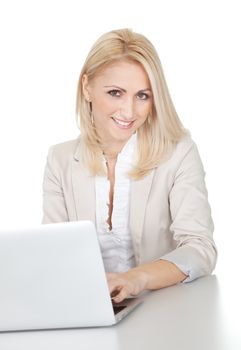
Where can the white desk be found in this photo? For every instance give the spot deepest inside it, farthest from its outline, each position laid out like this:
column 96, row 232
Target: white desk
column 196, row 316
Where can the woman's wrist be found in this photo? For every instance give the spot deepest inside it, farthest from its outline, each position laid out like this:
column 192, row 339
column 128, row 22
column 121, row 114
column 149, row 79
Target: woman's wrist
column 159, row 274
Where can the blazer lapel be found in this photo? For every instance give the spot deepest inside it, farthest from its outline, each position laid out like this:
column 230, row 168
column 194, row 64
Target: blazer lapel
column 139, row 196
column 83, row 190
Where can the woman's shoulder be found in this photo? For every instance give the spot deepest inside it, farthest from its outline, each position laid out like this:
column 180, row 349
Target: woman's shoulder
column 66, row 146
column 185, row 153
column 183, row 149
column 64, row 151
column 184, row 145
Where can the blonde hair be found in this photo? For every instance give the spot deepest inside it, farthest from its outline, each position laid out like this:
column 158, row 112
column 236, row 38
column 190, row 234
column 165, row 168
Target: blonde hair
column 157, row 137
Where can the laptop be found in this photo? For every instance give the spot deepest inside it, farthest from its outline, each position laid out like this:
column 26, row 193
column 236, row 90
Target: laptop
column 52, row 276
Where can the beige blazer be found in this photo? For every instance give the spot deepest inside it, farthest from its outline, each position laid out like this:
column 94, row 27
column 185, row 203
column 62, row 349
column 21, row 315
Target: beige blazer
column 170, row 217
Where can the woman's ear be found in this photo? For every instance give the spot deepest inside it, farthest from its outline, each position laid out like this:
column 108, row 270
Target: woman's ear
column 85, row 87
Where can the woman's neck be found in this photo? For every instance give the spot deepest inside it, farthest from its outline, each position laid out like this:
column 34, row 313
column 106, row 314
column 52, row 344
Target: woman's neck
column 111, row 150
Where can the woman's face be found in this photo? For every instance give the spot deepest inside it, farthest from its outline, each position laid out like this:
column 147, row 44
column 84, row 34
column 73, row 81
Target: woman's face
column 121, row 100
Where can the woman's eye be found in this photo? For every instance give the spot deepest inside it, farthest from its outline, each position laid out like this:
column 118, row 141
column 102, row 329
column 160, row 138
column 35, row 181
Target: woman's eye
column 114, row 93
column 142, row 96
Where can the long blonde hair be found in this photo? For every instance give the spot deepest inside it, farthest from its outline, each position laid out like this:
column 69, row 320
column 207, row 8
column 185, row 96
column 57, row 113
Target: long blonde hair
column 157, row 137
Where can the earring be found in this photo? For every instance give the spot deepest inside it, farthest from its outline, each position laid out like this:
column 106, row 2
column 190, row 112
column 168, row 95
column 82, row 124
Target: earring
column 91, row 118
column 90, row 110
column 87, row 97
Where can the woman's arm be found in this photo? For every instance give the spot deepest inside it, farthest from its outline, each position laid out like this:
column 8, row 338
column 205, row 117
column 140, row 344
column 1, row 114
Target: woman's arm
column 156, row 275
column 192, row 228
column 192, row 225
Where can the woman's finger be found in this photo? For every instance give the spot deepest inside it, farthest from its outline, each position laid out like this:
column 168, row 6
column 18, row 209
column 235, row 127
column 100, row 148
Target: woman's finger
column 123, row 294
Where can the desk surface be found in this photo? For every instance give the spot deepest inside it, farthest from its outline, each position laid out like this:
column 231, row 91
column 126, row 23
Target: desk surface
column 195, row 316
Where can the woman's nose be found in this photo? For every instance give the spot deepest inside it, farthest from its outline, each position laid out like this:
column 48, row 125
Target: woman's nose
column 127, row 109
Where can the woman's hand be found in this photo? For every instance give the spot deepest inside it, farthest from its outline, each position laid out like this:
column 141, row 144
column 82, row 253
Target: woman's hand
column 124, row 285
column 156, row 275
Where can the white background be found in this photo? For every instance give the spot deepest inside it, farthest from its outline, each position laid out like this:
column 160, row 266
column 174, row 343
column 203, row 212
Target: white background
column 42, row 48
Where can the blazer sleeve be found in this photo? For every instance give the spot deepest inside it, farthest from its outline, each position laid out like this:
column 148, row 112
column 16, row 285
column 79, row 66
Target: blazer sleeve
column 54, row 207
column 192, row 224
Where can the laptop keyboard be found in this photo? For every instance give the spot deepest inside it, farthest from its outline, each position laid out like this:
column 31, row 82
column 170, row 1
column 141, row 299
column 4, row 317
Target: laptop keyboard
column 119, row 308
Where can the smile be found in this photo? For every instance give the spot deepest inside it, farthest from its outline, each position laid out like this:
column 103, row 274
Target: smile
column 123, row 124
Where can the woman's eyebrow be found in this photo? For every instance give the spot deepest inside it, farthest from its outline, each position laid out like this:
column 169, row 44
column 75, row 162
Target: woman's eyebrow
column 143, row 90
column 115, row 87
column 118, row 87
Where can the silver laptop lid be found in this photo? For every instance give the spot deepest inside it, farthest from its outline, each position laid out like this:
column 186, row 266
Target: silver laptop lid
column 52, row 276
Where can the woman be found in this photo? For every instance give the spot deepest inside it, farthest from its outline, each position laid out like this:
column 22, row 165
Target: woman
column 134, row 171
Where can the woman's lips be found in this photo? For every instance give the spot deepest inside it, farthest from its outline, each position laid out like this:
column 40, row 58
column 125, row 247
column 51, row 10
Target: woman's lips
column 123, row 124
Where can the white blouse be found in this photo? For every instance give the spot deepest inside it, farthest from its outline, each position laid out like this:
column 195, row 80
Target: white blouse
column 116, row 244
